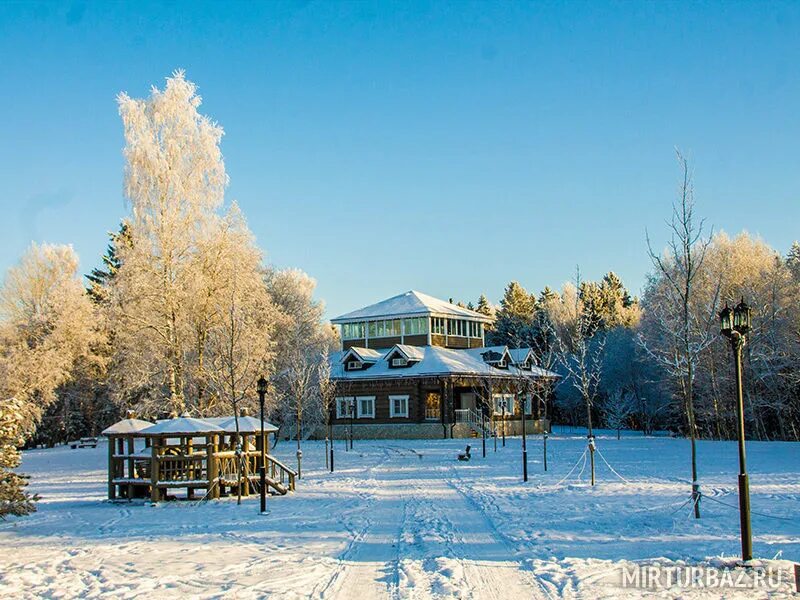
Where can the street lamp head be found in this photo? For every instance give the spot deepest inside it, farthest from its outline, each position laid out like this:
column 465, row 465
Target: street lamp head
column 726, row 321
column 741, row 317
column 262, row 385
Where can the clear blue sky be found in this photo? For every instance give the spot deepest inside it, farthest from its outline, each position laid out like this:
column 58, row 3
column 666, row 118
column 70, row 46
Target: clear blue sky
column 444, row 147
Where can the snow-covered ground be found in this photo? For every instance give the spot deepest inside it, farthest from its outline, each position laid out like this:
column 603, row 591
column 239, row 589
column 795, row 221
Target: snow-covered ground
column 403, row 519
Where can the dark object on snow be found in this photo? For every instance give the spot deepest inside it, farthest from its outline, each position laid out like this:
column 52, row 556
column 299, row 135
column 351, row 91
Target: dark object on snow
column 87, row 442
column 465, row 456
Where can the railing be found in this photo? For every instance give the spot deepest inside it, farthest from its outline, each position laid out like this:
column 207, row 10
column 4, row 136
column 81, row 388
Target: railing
column 280, row 477
column 472, row 417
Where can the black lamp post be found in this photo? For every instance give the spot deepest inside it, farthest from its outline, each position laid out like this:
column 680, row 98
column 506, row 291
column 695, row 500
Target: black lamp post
column 524, row 439
column 352, row 410
column 734, row 325
column 503, row 403
column 483, row 426
column 262, row 471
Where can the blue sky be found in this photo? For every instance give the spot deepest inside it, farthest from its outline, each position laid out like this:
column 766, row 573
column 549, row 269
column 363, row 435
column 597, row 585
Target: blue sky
column 445, row 147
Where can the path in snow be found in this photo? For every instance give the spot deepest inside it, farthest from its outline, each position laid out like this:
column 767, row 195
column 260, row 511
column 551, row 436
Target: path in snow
column 429, row 541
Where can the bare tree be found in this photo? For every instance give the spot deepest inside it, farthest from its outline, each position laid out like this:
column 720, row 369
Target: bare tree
column 678, row 269
column 618, row 408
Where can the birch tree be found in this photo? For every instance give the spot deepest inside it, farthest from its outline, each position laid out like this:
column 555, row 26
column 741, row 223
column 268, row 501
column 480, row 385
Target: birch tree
column 174, row 180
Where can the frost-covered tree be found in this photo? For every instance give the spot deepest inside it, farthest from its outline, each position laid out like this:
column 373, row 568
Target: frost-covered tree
column 48, row 325
column 14, row 415
column 617, row 410
column 175, row 181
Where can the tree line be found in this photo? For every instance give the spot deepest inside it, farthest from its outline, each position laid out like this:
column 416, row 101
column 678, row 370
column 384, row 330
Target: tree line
column 183, row 316
column 658, row 362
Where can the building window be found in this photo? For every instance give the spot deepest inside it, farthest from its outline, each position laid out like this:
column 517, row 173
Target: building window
column 457, row 327
column 353, row 331
column 416, row 326
column 438, row 325
column 343, row 407
column 398, row 406
column 503, row 400
column 474, row 329
column 365, row 406
column 528, row 405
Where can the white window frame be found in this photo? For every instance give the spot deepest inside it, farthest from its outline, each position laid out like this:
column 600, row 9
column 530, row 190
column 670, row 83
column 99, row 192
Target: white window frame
column 359, row 413
column 399, row 362
column 498, row 410
column 339, row 400
column 398, row 415
column 354, row 365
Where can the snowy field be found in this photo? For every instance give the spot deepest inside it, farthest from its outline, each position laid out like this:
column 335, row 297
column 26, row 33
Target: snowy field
column 403, row 519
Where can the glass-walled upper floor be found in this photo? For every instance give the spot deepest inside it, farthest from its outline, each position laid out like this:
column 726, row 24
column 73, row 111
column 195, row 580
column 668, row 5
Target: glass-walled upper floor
column 386, row 328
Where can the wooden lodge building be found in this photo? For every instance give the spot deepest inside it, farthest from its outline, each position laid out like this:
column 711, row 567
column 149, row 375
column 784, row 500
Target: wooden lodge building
column 414, row 366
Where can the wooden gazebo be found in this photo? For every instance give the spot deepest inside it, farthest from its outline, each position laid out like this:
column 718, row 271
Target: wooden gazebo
column 156, row 460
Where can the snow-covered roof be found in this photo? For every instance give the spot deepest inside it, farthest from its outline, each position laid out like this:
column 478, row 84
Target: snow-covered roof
column 363, row 354
column 182, row 426
column 410, row 352
column 409, row 304
column 436, row 361
column 127, row 426
column 520, row 355
column 247, row 424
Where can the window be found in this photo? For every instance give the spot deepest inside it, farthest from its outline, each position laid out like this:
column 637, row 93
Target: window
column 373, row 329
column 416, row 326
column 438, row 325
column 354, row 365
column 457, row 327
column 528, row 405
column 399, row 362
column 503, row 403
column 501, row 363
column 365, row 407
column 343, row 405
column 474, row 329
column 398, row 406
column 352, row 331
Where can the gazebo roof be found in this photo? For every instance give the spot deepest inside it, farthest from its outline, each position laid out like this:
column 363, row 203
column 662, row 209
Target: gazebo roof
column 182, row 426
column 127, row 426
column 247, row 424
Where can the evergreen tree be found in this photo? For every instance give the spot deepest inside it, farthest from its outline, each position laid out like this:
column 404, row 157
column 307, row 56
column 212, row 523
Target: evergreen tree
column 515, row 317
column 484, row 307
column 793, row 260
column 100, row 278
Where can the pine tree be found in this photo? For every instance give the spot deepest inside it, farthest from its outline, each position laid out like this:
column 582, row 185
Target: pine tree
column 515, row 317
column 13, row 498
column 101, row 278
column 793, row 260
column 484, row 307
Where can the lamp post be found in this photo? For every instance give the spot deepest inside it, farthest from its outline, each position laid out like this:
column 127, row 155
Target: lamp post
column 262, row 471
column 524, row 439
column 351, row 408
column 734, row 325
column 503, row 402
column 483, row 426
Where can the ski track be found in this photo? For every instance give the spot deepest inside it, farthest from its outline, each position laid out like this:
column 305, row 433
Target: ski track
column 430, row 543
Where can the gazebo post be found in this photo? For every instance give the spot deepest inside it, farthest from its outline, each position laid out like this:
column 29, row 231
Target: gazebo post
column 212, row 466
column 154, row 493
column 112, row 468
column 131, row 473
column 191, row 469
column 246, row 450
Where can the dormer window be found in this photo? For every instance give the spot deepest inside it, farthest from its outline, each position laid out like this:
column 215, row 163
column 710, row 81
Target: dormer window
column 354, row 365
column 399, row 362
column 501, row 363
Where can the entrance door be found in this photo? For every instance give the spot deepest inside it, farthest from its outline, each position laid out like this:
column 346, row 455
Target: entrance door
column 468, row 400
column 433, row 406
